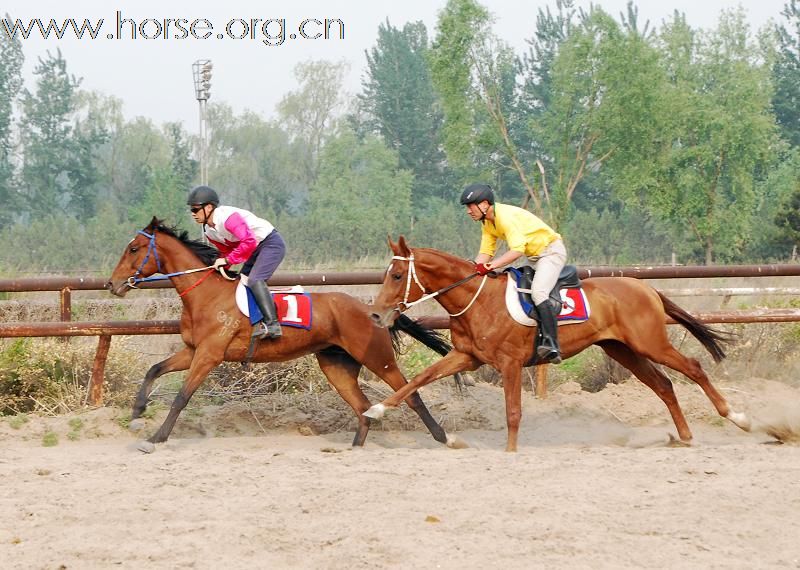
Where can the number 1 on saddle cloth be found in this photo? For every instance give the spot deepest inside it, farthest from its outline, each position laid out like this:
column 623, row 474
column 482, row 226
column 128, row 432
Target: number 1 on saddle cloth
column 294, row 309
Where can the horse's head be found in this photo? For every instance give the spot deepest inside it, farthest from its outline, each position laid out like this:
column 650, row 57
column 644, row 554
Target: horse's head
column 400, row 285
column 140, row 259
column 418, row 275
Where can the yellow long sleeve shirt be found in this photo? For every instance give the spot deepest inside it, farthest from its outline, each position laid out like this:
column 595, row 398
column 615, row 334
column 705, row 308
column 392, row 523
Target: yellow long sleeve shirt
column 521, row 230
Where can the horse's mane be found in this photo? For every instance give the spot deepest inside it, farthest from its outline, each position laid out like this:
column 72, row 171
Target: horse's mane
column 451, row 259
column 205, row 252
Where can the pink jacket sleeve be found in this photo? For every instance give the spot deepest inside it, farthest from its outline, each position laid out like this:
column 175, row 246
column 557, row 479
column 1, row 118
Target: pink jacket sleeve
column 247, row 241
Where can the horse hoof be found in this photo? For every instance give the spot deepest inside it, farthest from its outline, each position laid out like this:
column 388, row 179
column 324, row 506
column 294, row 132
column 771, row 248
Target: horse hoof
column 455, row 442
column 674, row 442
column 376, row 412
column 146, row 447
column 136, row 425
column 740, row 419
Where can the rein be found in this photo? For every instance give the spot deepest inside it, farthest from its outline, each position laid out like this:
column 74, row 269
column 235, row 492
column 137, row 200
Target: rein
column 404, row 305
column 203, row 278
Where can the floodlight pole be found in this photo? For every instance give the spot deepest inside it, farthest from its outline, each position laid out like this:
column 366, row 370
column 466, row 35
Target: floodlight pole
column 201, row 71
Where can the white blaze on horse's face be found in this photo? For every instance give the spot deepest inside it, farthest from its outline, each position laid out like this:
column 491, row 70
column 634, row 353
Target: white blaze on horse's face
column 390, row 290
column 385, row 306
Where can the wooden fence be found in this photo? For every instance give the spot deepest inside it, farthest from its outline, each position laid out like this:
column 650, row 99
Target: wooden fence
column 106, row 329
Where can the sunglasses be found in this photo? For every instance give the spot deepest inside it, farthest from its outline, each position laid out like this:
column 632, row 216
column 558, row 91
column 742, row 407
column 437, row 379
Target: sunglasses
column 195, row 209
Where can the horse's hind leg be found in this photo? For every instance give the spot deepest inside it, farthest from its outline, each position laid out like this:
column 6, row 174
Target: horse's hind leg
column 178, row 361
column 691, row 368
column 652, row 377
column 341, row 370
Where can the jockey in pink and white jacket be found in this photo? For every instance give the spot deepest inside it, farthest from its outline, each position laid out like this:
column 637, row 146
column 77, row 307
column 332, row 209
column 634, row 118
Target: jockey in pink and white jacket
column 242, row 237
column 236, row 233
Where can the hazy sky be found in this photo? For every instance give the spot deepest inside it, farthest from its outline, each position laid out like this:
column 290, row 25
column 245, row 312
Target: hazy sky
column 153, row 76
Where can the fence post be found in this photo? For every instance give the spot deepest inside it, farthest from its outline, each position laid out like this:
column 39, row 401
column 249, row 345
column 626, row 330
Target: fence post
column 541, row 381
column 65, row 300
column 99, row 370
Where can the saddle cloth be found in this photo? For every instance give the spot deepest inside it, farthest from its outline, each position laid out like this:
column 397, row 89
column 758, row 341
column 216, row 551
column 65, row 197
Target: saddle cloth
column 574, row 304
column 293, row 305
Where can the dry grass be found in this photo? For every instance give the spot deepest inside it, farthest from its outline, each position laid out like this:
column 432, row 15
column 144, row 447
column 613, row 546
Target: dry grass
column 51, row 377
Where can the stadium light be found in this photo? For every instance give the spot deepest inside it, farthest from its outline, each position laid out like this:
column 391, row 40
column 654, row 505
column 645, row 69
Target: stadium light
column 201, row 71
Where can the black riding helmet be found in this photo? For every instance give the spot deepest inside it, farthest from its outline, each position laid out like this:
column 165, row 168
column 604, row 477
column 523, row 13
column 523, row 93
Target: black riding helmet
column 477, row 193
column 202, row 195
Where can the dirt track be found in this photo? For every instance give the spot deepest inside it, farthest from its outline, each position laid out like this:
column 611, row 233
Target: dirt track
column 593, row 486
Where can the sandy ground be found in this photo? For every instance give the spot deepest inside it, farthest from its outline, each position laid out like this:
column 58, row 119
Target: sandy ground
column 594, row 485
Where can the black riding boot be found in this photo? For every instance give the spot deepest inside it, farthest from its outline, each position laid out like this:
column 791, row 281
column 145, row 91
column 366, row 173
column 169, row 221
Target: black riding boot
column 547, row 349
column 268, row 327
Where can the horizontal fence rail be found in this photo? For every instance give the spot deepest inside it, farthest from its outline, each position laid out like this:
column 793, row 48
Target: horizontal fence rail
column 88, row 328
column 106, row 329
column 281, row 279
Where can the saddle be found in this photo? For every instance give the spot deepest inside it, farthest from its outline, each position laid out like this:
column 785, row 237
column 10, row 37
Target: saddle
column 567, row 293
column 567, row 279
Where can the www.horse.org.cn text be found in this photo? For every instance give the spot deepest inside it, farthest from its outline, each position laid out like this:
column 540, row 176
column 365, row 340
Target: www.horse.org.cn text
column 268, row 31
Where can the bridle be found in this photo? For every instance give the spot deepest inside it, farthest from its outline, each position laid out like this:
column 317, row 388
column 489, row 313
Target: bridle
column 134, row 279
column 404, row 305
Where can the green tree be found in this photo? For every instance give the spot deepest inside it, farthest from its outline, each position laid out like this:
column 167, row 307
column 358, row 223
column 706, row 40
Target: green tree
column 400, row 104
column 783, row 184
column 474, row 74
column 786, row 74
column 167, row 183
column 720, row 134
column 131, row 152
column 181, row 164
column 604, row 110
column 310, row 113
column 11, row 60
column 254, row 164
column 536, row 65
column 57, row 168
column 361, row 196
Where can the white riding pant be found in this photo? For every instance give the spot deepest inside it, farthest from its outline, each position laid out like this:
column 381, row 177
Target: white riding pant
column 548, row 266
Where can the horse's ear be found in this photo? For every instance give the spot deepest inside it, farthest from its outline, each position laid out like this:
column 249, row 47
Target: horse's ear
column 154, row 223
column 402, row 247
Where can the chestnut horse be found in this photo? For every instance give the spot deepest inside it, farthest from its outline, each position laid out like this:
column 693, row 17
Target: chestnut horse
column 628, row 321
column 342, row 338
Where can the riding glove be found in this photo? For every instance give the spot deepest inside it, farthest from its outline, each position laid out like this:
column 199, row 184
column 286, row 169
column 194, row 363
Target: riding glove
column 481, row 269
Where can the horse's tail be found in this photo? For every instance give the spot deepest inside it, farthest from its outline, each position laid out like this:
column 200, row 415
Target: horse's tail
column 430, row 338
column 710, row 338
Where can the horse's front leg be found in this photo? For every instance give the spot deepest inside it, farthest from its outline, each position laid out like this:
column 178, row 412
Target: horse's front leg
column 178, row 361
column 453, row 362
column 201, row 365
column 512, row 389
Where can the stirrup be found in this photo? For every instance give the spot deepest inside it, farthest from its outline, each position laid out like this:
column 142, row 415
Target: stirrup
column 267, row 331
column 548, row 354
column 553, row 357
column 274, row 330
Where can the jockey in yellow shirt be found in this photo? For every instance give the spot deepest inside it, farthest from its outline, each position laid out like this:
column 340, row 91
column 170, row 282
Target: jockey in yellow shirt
column 526, row 236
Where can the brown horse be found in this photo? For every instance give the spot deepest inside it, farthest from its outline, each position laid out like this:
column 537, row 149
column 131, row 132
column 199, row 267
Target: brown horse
column 343, row 338
column 627, row 321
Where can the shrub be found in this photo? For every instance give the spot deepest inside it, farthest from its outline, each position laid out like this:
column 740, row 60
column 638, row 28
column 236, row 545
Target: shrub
column 52, row 377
